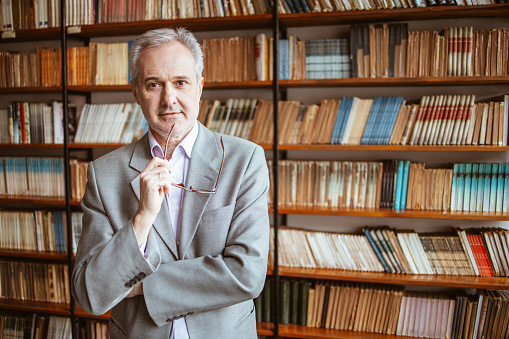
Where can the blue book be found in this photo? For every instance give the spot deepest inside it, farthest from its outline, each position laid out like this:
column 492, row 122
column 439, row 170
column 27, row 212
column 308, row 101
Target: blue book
column 500, row 188
column 473, row 189
column 404, row 188
column 376, row 249
column 367, row 135
column 393, row 115
column 480, row 187
column 348, row 109
column 337, row 124
column 461, row 187
column 379, row 123
column 468, row 185
column 129, row 44
column 454, row 186
column 505, row 204
column 305, row 6
column 487, row 187
column 493, row 187
column 399, row 184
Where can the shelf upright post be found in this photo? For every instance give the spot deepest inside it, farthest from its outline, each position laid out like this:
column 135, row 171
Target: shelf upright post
column 275, row 165
column 67, row 179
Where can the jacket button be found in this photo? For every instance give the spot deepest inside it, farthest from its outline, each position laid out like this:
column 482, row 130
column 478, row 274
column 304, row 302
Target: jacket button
column 128, row 285
column 137, row 278
column 142, row 275
column 132, row 281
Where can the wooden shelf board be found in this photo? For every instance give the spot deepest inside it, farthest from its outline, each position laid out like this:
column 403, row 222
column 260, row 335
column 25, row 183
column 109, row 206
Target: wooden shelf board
column 395, row 14
column 266, row 329
column 36, row 307
column 294, row 331
column 46, row 255
column 415, row 81
column 80, row 313
column 193, row 24
column 34, row 35
column 405, row 148
column 455, row 281
column 32, row 146
column 389, row 213
column 27, row 90
column 346, row 82
column 33, row 200
column 94, row 145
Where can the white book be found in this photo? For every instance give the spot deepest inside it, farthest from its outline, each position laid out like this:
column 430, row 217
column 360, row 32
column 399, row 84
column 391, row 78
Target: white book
column 423, row 105
column 58, row 128
column 406, row 252
column 463, row 104
column 450, row 122
column 82, row 122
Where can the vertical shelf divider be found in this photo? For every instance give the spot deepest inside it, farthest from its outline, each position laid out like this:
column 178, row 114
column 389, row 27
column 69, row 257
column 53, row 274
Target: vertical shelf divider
column 275, row 166
column 66, row 165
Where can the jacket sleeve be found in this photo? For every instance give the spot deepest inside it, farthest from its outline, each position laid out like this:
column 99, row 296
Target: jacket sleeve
column 108, row 261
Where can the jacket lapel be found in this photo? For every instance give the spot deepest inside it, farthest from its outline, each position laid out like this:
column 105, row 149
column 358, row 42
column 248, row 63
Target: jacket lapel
column 202, row 173
column 162, row 225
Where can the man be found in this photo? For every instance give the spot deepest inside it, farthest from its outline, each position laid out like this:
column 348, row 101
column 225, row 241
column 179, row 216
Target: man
column 176, row 247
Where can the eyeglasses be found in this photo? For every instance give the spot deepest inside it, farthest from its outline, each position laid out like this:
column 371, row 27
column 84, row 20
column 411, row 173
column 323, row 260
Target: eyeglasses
column 191, row 189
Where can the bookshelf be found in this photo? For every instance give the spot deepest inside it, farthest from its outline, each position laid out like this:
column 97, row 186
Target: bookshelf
column 312, row 90
column 307, row 26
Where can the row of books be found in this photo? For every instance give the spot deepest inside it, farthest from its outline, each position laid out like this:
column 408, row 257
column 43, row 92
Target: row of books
column 436, row 120
column 31, row 69
column 38, row 230
column 453, row 120
column 46, row 13
column 234, row 116
column 34, row 282
column 390, row 50
column 32, row 177
column 17, row 15
column 314, row 59
column 35, row 122
column 110, row 123
column 36, row 326
column 40, row 326
column 395, row 184
column 229, row 59
column 480, row 187
column 306, row 6
column 387, row 50
column 479, row 252
column 19, row 69
column 388, row 309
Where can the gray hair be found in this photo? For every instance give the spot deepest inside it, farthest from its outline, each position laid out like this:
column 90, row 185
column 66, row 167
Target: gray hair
column 162, row 37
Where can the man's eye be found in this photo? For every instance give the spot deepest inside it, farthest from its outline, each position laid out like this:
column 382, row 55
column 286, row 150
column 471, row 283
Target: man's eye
column 153, row 85
column 181, row 82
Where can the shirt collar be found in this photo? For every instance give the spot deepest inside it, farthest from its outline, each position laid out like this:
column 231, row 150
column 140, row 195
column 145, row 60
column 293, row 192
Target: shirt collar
column 187, row 144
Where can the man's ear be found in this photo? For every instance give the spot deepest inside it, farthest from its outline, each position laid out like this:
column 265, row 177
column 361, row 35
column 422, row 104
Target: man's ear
column 202, row 81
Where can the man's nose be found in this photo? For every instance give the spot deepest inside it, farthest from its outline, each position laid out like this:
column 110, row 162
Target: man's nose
column 169, row 96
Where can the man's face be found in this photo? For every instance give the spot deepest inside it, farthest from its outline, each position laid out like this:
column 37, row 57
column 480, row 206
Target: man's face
column 167, row 89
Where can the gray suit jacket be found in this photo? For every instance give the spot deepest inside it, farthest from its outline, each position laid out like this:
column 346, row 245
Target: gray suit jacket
column 210, row 277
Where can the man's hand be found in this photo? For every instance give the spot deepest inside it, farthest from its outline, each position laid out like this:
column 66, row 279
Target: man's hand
column 137, row 290
column 155, row 182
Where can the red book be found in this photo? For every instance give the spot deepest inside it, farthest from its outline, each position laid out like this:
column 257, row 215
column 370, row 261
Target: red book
column 484, row 255
column 477, row 255
column 22, row 122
